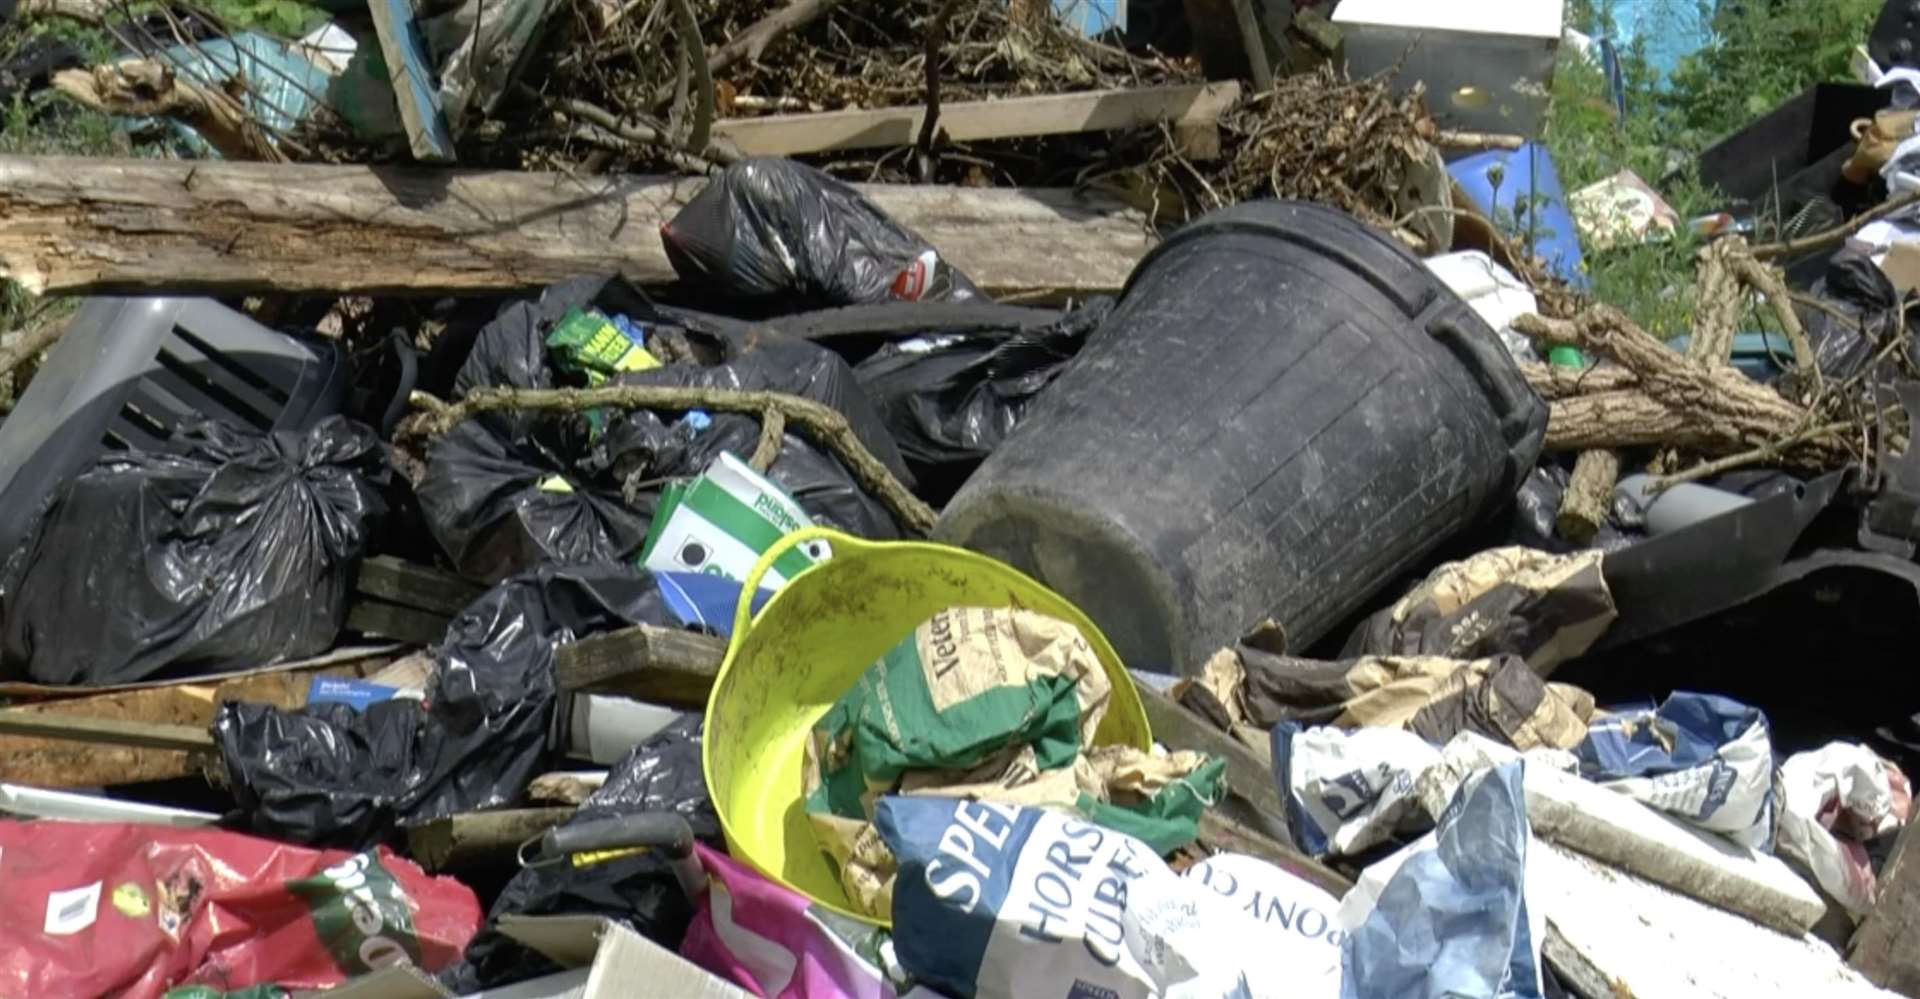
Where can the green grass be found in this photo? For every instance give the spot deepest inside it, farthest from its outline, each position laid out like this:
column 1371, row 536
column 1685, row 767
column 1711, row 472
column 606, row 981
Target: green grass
column 1652, row 281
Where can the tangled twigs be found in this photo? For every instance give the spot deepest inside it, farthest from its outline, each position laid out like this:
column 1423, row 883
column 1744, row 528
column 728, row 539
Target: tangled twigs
column 1763, row 453
column 1315, row 137
column 823, row 423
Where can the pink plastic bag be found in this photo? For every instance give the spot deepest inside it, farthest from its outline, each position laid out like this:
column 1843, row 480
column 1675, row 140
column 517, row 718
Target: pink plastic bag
column 759, row 936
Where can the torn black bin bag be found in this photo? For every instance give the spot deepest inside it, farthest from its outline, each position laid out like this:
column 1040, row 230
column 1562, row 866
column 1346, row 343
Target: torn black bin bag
column 662, row 774
column 1855, row 286
column 498, row 506
column 239, row 550
column 950, row 400
column 772, row 233
column 328, row 775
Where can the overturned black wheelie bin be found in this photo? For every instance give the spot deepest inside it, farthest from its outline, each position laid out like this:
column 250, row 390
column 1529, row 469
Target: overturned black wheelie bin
column 1285, row 411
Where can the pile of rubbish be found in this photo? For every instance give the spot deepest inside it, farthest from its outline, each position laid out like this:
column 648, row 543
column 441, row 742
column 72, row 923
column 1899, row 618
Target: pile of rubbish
column 944, row 499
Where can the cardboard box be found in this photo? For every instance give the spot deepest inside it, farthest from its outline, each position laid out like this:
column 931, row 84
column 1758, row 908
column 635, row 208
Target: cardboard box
column 1487, row 64
column 618, row 963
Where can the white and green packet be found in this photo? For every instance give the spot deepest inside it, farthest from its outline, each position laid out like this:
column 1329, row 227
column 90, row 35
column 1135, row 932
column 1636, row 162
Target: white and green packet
column 723, row 521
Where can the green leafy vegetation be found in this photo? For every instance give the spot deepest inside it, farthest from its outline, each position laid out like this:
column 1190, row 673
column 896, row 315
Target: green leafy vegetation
column 1763, row 52
column 282, row 18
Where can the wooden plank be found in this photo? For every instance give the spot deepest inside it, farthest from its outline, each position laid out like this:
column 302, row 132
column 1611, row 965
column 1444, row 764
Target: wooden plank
column 1620, row 831
column 379, row 619
column 412, row 80
column 346, row 658
column 1052, row 114
column 1610, row 934
column 473, row 839
column 93, row 225
column 64, row 763
column 104, row 731
column 412, row 585
column 1886, row 947
column 1248, row 777
column 658, row 665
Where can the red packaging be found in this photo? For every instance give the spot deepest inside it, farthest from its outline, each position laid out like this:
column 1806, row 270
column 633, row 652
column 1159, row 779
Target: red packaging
column 97, row 909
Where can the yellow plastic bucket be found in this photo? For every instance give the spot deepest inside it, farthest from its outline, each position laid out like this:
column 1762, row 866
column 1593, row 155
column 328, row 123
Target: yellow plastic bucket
column 809, row 645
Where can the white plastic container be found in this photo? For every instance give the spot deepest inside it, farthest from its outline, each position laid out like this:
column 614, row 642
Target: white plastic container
column 1488, row 64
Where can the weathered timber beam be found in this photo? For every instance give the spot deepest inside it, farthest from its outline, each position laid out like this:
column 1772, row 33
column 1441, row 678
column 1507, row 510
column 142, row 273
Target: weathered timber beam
column 70, row 225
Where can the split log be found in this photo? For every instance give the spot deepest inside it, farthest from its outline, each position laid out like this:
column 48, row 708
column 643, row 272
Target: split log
column 1717, row 305
column 106, row 731
column 1681, row 402
column 98, row 225
column 1588, row 500
column 1478, row 140
column 1554, row 382
column 88, row 11
column 566, row 787
column 1623, row 418
column 32, row 341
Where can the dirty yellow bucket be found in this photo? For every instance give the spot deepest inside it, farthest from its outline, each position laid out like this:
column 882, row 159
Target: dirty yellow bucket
column 809, row 645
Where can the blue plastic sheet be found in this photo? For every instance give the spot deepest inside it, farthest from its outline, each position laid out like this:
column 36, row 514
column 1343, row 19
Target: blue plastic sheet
column 1519, row 191
column 1092, row 18
column 281, row 84
column 704, row 601
column 1452, row 920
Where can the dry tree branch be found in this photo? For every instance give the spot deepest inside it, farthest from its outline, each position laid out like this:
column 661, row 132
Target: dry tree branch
column 1828, row 237
column 766, row 451
column 823, row 423
column 688, row 27
column 752, row 42
column 145, row 88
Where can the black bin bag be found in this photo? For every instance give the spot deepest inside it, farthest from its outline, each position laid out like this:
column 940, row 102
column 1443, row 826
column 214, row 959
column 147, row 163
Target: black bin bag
column 238, row 551
column 662, row 774
column 499, row 504
column 507, row 490
column 775, row 234
column 329, row 775
column 951, row 399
